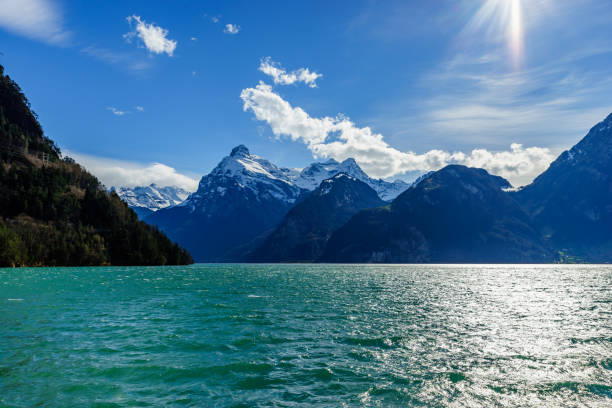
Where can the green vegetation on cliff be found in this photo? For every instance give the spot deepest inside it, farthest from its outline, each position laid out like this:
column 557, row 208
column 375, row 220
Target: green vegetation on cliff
column 53, row 212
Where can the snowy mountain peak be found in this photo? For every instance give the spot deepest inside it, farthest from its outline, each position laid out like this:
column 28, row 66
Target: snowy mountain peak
column 342, row 175
column 242, row 165
column 151, row 197
column 312, row 176
column 245, row 173
column 240, row 150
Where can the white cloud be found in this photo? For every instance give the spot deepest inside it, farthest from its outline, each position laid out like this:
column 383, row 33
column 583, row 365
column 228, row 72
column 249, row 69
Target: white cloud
column 282, row 77
column 194, row 38
column 340, row 138
column 231, row 29
column 36, row 19
column 152, row 36
column 116, row 111
column 130, row 174
column 139, row 108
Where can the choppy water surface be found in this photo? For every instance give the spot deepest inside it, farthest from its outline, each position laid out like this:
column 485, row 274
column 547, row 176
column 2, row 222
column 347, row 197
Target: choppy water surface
column 286, row 335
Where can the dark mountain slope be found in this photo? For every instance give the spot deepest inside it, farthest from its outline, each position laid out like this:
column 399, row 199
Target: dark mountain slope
column 52, row 212
column 303, row 233
column 457, row 214
column 244, row 197
column 571, row 202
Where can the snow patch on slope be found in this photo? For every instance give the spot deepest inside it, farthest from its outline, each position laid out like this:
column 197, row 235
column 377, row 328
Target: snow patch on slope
column 151, row 197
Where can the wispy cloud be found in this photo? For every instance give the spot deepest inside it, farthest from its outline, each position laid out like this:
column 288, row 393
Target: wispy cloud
column 477, row 98
column 126, row 60
column 282, row 77
column 36, row 19
column 153, row 37
column 215, row 19
column 231, row 29
column 340, row 138
column 113, row 172
column 116, row 111
column 477, row 95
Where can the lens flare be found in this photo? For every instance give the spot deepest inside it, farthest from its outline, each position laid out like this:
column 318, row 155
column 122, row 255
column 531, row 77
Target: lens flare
column 502, row 21
column 516, row 32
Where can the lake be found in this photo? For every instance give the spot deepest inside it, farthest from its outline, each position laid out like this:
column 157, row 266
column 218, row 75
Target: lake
column 306, row 335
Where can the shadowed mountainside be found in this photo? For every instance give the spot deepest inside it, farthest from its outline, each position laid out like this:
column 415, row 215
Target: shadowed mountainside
column 456, row 215
column 53, row 212
column 303, row 233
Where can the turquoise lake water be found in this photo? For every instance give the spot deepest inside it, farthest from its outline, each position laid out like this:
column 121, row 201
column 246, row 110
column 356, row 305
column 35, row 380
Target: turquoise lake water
column 304, row 335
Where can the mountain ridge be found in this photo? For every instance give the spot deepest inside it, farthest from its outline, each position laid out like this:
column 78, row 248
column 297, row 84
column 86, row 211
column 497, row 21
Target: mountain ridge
column 243, row 198
column 457, row 215
column 145, row 200
column 302, row 234
column 571, row 202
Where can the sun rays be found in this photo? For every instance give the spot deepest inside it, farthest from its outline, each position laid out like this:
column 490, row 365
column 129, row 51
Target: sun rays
column 501, row 21
column 516, row 33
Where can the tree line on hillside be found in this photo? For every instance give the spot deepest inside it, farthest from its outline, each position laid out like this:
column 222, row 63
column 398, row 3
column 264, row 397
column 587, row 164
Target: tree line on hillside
column 55, row 212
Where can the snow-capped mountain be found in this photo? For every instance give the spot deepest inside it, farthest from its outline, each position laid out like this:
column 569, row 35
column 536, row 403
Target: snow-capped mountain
column 241, row 170
column 242, row 198
column 147, row 199
column 246, row 196
column 265, row 180
column 311, row 177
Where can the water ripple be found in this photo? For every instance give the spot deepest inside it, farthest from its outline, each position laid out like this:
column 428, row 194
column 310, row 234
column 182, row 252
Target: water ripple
column 306, row 335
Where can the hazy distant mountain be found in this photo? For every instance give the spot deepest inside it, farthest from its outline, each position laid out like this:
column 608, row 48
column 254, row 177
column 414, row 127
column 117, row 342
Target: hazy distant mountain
column 303, row 233
column 148, row 199
column 457, row 214
column 571, row 202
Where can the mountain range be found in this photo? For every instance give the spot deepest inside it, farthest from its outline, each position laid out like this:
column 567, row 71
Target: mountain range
column 243, row 198
column 456, row 215
column 248, row 209
column 145, row 200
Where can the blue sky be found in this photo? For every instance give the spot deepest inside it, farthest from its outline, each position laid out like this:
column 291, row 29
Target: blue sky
column 402, row 86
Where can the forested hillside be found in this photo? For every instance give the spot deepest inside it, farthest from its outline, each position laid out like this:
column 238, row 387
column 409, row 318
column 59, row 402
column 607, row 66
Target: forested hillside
column 53, row 212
